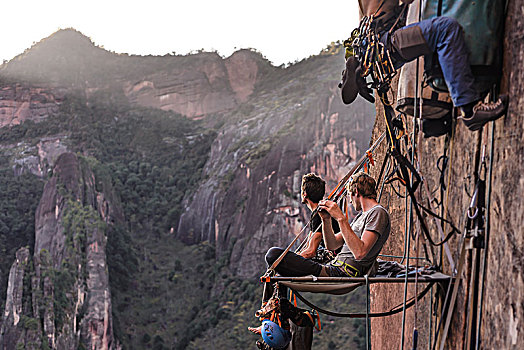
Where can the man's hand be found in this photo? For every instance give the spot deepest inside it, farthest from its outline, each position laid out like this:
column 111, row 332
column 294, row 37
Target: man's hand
column 324, row 215
column 308, row 254
column 332, row 209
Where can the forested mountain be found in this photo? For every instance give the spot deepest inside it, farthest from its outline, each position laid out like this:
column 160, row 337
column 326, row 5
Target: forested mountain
column 176, row 173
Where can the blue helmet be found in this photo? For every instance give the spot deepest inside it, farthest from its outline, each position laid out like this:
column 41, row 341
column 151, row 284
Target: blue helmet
column 274, row 335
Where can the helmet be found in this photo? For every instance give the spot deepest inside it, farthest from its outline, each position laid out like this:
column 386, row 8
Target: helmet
column 274, row 335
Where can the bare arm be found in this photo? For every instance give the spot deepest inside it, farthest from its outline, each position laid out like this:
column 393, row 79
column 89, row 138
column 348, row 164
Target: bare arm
column 360, row 247
column 331, row 240
column 312, row 246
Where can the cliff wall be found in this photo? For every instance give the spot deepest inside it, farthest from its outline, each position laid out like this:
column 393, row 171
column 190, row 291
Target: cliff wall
column 503, row 311
column 66, row 284
column 21, row 103
column 250, row 200
column 194, row 86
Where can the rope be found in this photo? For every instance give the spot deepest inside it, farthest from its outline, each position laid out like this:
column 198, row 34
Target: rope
column 368, row 323
column 392, row 311
column 486, row 235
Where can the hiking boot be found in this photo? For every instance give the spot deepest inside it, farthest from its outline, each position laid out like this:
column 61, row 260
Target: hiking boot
column 485, row 112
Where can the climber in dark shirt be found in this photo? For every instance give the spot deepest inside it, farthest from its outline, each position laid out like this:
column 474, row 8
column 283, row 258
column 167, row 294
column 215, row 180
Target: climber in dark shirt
column 312, row 191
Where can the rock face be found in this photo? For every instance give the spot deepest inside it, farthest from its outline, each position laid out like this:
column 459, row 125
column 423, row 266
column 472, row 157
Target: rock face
column 194, row 86
column 20, row 103
column 502, row 316
column 208, row 85
column 69, row 287
column 19, row 328
column 251, row 203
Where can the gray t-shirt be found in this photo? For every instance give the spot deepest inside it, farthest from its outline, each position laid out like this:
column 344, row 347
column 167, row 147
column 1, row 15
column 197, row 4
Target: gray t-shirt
column 376, row 220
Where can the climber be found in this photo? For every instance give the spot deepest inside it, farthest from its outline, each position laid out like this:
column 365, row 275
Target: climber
column 312, row 191
column 441, row 35
column 361, row 241
column 313, row 188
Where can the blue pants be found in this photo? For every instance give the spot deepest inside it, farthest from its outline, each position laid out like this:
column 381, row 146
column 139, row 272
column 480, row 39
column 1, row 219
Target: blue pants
column 445, row 37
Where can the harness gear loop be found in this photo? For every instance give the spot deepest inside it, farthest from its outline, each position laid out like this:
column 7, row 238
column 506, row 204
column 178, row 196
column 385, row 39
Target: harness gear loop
column 318, row 325
column 351, row 271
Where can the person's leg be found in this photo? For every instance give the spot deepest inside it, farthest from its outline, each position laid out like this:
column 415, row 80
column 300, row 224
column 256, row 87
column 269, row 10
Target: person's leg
column 445, row 36
column 293, row 264
column 301, row 337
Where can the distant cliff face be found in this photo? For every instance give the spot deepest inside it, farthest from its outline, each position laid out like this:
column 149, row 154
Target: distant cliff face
column 273, row 125
column 194, row 86
column 20, row 103
column 251, row 201
column 66, row 284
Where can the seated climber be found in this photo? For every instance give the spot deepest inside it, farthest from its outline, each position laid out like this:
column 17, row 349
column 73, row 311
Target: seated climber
column 361, row 241
column 441, row 35
column 312, row 191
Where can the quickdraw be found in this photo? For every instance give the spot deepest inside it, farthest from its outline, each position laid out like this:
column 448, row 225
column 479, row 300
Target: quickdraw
column 365, row 44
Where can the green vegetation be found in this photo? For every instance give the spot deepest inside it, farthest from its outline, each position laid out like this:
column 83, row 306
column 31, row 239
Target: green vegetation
column 144, row 160
column 165, row 295
column 20, row 197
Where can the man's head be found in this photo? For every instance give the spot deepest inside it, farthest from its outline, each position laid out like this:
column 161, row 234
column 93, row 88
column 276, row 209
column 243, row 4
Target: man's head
column 361, row 185
column 313, row 188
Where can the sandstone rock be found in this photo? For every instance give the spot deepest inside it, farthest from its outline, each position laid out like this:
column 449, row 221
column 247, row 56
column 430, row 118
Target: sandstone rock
column 70, row 290
column 13, row 317
column 503, row 313
column 250, row 202
column 20, row 103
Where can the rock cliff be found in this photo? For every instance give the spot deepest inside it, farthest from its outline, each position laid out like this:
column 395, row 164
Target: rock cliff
column 272, row 124
column 68, row 291
column 503, row 312
column 250, row 200
column 194, row 85
column 19, row 103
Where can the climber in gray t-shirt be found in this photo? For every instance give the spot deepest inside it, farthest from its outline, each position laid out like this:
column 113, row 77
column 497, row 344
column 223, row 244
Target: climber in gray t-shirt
column 361, row 241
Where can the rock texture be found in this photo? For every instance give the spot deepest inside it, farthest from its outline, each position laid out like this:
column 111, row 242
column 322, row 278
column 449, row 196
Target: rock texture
column 194, row 85
column 69, row 289
column 250, row 200
column 503, row 312
column 19, row 328
column 20, row 103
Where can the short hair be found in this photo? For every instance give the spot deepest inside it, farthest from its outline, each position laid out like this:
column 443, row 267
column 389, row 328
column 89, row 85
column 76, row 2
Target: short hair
column 364, row 184
column 314, row 187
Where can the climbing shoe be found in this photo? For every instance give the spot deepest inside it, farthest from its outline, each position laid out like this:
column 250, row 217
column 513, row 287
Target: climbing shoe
column 484, row 112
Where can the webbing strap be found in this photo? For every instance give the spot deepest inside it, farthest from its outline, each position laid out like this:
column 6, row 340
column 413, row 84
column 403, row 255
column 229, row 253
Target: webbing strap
column 393, row 311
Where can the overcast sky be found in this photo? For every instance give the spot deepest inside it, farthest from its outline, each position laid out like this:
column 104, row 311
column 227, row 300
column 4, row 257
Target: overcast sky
column 282, row 30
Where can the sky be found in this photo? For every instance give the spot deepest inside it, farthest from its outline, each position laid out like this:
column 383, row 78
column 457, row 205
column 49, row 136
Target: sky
column 284, row 31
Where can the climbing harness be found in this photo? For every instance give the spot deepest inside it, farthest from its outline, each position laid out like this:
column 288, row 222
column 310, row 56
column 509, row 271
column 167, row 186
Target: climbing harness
column 351, row 271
